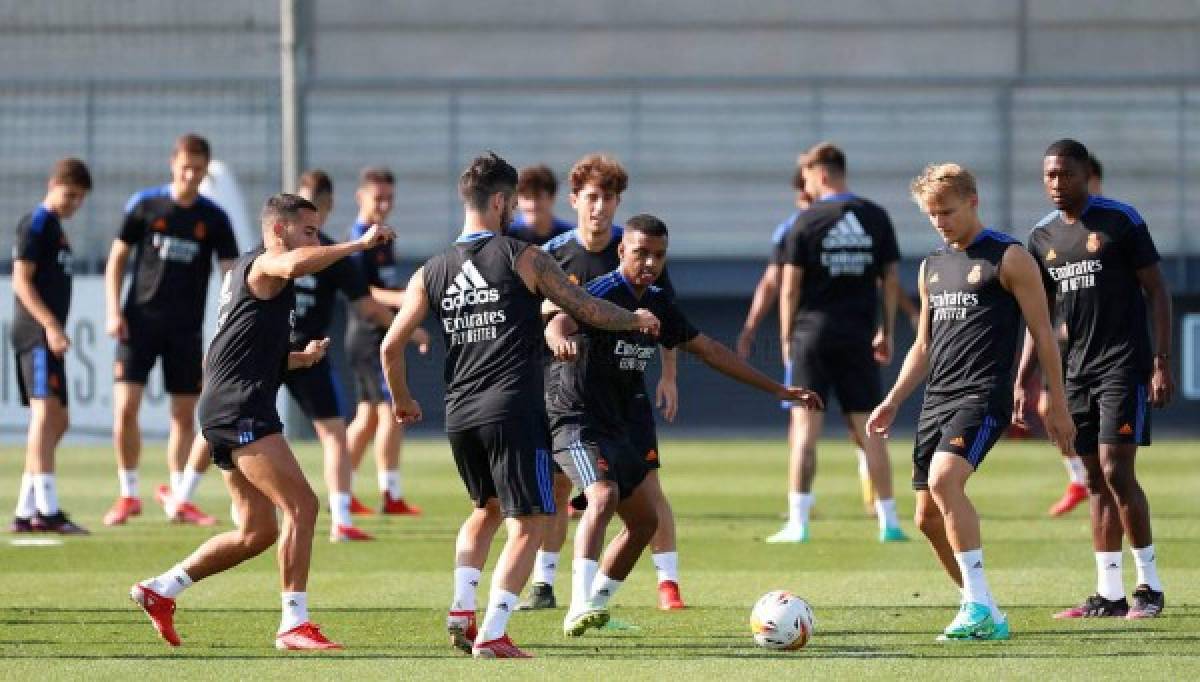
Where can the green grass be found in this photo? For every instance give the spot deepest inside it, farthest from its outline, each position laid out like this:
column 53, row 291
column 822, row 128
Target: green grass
column 64, row 613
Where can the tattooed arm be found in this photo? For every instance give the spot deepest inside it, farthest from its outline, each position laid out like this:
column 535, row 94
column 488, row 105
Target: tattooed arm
column 543, row 276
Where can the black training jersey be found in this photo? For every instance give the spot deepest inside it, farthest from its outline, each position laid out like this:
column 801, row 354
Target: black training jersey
column 377, row 267
column 600, row 385
column 974, row 322
column 842, row 242
column 491, row 325
column 173, row 248
column 583, row 266
column 316, row 293
column 41, row 241
column 519, row 229
column 248, row 355
column 779, row 240
column 1090, row 269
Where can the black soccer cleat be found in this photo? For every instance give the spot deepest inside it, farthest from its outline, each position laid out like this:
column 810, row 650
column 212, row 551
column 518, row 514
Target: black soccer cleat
column 57, row 523
column 1096, row 606
column 541, row 596
column 1147, row 603
column 20, row 525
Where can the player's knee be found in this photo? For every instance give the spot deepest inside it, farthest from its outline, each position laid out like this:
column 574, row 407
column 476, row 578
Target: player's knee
column 944, row 487
column 302, row 506
column 257, row 537
column 643, row 528
column 929, row 521
column 183, row 416
column 602, row 499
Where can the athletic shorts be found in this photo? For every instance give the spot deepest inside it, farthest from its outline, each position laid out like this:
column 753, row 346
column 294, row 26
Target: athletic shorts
column 841, row 365
column 508, row 460
column 967, row 429
column 367, row 373
column 1112, row 410
column 41, row 374
column 316, row 390
column 643, row 433
column 182, row 358
column 587, row 455
column 223, row 439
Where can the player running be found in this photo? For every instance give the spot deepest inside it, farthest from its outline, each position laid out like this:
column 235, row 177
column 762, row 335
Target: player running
column 243, row 369
column 485, row 291
column 837, row 254
column 42, row 299
column 592, row 398
column 173, row 234
column 535, row 221
column 974, row 292
column 1099, row 257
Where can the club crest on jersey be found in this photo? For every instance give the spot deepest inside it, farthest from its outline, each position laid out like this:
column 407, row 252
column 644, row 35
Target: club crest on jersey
column 1093, row 242
column 934, row 278
column 201, row 230
column 574, row 279
column 1051, row 255
column 469, row 288
column 975, row 274
column 159, row 225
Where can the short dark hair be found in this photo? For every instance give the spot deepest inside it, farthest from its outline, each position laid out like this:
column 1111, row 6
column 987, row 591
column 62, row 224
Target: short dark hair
column 315, row 181
column 71, row 171
column 486, row 176
column 284, row 208
column 649, row 225
column 1071, row 149
column 534, row 180
column 1096, row 167
column 192, row 143
column 376, row 174
column 798, row 179
column 827, row 155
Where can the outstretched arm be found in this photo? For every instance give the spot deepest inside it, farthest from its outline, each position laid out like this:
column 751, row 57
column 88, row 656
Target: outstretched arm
column 719, row 357
column 912, row 372
column 765, row 295
column 391, row 353
column 542, row 275
column 789, row 300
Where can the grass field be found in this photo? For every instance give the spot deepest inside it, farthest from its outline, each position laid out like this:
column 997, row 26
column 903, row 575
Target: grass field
column 64, row 613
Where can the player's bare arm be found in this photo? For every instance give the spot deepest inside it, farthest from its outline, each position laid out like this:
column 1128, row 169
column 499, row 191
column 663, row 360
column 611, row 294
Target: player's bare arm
column 718, row 356
column 393, row 298
column 391, row 353
column 311, row 355
column 1020, row 275
column 666, row 394
column 789, row 300
column 883, row 342
column 765, row 295
column 271, row 271
column 114, row 272
column 544, row 276
column 558, row 335
column 27, row 294
column 912, row 372
column 1162, row 384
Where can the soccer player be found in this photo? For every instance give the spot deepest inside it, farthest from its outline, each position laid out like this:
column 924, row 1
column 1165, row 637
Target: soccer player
column 1097, row 254
column 589, row 251
column 373, row 414
column 486, row 292
column 535, row 221
column 173, row 234
column 837, row 254
column 243, row 369
column 591, row 397
column 42, row 299
column 974, row 292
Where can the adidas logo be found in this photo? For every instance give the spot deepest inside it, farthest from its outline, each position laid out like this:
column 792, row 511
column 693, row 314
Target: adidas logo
column 958, row 442
column 847, row 233
column 602, row 592
column 1112, row 565
column 468, row 288
column 978, row 564
column 474, row 583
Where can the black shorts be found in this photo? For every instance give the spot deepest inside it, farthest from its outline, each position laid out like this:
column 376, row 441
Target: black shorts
column 182, row 358
column 844, row 365
column 317, row 390
column 509, row 460
column 223, row 439
column 643, row 433
column 967, row 429
column 367, row 372
column 41, row 374
column 588, row 455
column 1112, row 410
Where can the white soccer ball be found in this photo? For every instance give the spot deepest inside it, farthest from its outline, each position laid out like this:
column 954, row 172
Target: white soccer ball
column 781, row 620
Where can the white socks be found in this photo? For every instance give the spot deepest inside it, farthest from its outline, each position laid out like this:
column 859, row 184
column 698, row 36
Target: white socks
column 863, row 472
column 603, row 589
column 45, row 494
column 799, row 505
column 128, row 479
column 545, row 567
column 389, row 482
column 501, row 604
column 1075, row 469
column 1108, row 575
column 1147, row 570
column 26, row 507
column 886, row 511
column 666, row 565
column 186, row 490
column 339, row 509
column 975, row 586
column 176, row 478
column 295, row 610
column 466, row 584
column 171, row 583
column 583, row 574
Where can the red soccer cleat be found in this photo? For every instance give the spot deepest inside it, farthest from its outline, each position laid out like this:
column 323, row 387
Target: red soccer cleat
column 462, row 629
column 304, row 637
column 1074, row 494
column 499, row 648
column 358, row 508
column 160, row 609
column 668, row 596
column 349, row 534
column 398, row 507
column 190, row 513
column 122, row 509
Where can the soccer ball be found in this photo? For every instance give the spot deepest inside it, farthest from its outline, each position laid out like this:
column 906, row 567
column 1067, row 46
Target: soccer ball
column 781, row 620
